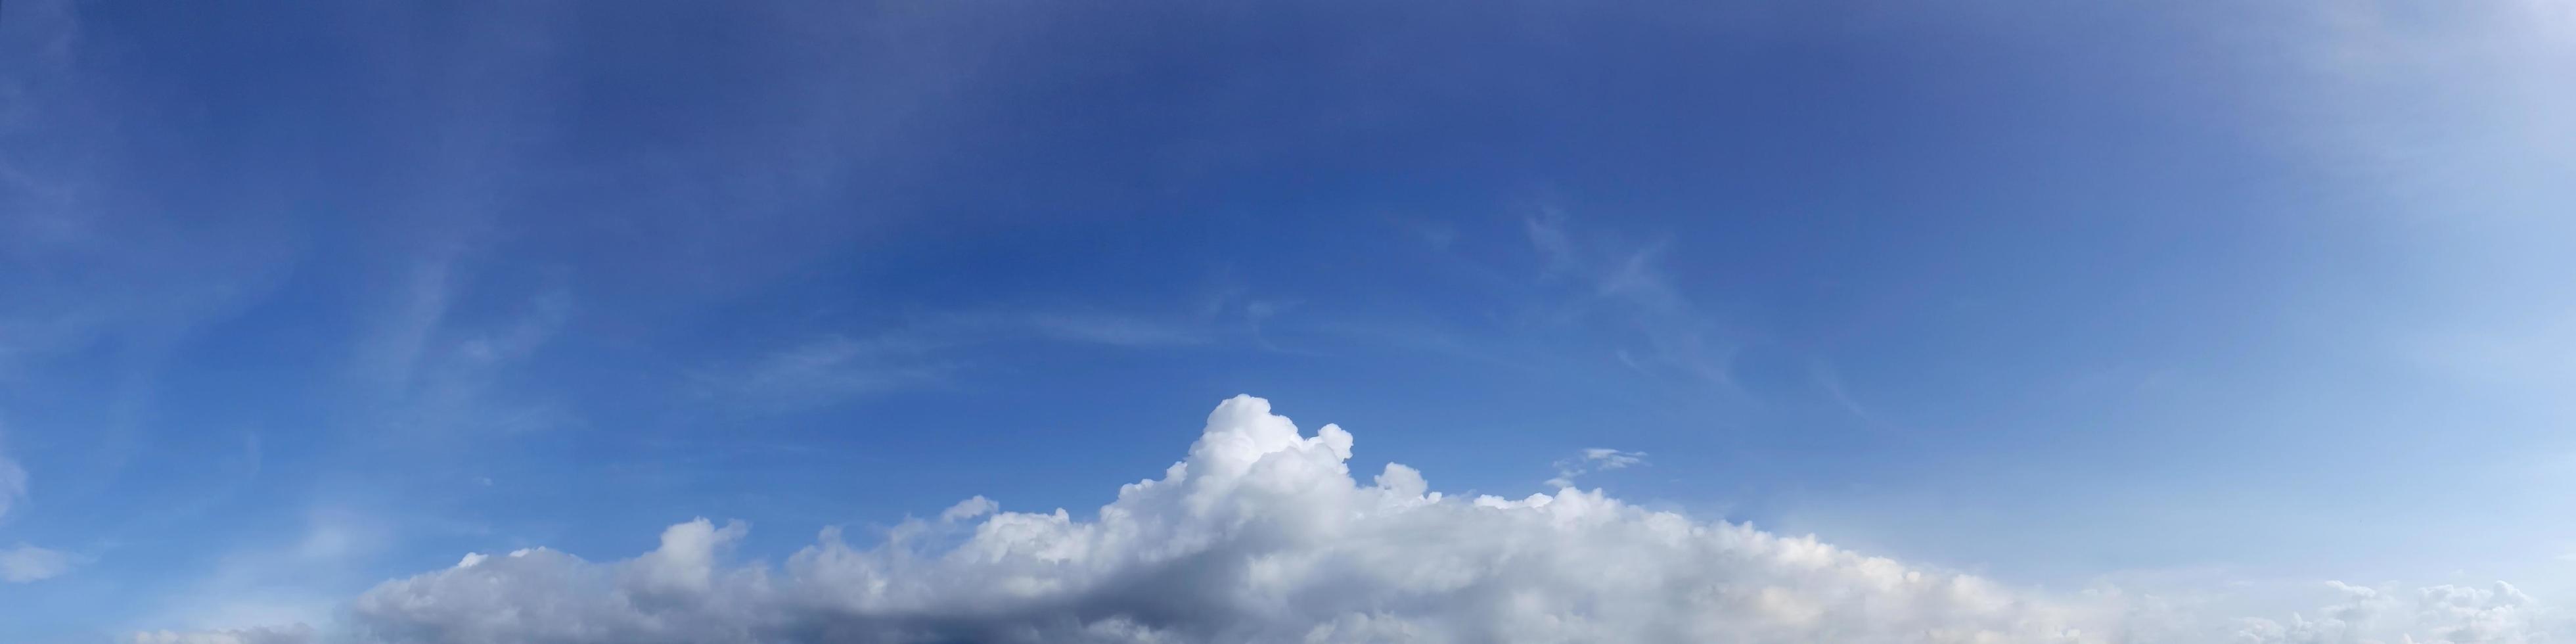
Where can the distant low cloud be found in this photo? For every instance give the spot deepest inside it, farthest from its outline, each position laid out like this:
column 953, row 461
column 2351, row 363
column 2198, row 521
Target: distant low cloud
column 1263, row 535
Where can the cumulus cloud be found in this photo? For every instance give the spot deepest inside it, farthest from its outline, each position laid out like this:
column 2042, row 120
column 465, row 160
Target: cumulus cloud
column 1262, row 534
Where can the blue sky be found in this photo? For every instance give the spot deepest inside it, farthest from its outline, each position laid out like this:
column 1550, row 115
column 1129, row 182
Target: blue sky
column 298, row 300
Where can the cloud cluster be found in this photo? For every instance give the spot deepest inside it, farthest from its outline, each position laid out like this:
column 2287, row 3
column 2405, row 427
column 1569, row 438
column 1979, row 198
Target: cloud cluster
column 1262, row 534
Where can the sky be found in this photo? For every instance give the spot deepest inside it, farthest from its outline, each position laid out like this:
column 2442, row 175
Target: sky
column 1732, row 321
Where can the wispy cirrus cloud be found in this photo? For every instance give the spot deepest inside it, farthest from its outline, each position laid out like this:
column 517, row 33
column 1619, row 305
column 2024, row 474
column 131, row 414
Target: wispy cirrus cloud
column 830, row 369
column 1624, row 288
column 448, row 373
column 1596, row 459
column 930, row 349
column 1118, row 330
column 1545, row 291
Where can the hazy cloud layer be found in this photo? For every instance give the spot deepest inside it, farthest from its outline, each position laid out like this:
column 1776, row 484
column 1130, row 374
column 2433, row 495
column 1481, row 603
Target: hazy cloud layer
column 1263, row 535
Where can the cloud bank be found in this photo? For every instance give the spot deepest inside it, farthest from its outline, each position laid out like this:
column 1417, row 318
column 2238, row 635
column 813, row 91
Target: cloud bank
column 1263, row 535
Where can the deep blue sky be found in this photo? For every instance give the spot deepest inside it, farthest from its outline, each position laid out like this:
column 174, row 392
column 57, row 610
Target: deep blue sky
column 297, row 299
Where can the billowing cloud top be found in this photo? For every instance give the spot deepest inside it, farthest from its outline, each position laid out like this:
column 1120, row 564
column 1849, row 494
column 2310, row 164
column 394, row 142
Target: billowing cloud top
column 1263, row 535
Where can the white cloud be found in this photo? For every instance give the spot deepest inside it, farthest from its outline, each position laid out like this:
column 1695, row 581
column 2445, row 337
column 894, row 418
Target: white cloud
column 968, row 509
column 1262, row 535
column 25, row 563
column 1611, row 459
column 1593, row 460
